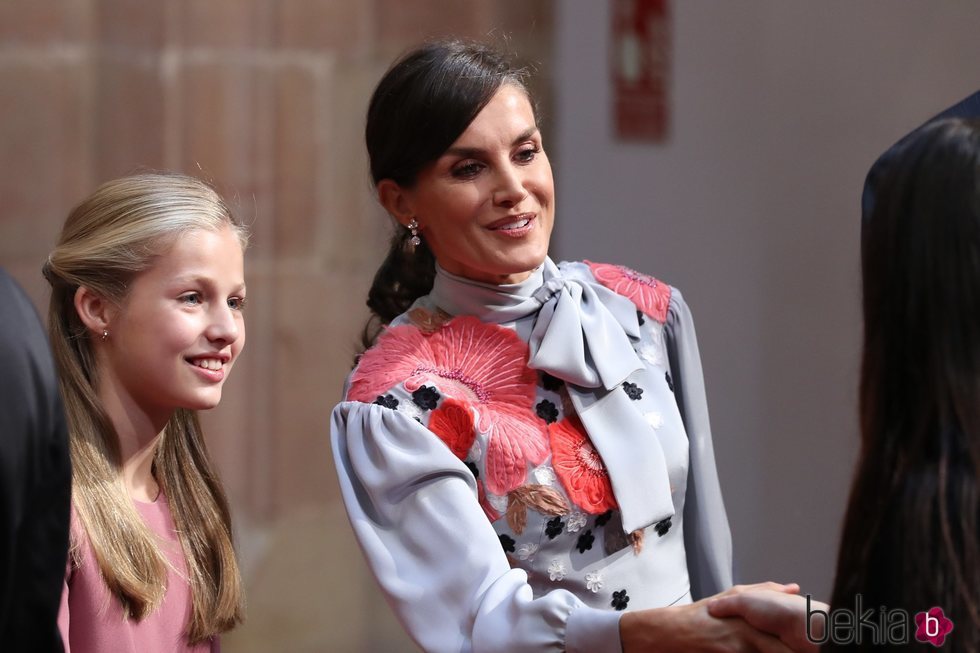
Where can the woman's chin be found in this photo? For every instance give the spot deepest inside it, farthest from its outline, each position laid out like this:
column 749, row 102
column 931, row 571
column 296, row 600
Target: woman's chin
column 517, row 271
column 527, row 265
column 500, row 268
column 204, row 401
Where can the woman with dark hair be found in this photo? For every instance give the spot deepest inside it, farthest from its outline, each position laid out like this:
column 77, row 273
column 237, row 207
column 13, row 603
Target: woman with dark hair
column 911, row 538
column 524, row 448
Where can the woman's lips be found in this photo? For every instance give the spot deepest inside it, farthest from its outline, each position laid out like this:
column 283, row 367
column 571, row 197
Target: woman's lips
column 212, row 369
column 515, row 226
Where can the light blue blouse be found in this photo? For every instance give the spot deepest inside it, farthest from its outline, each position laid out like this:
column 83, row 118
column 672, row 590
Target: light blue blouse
column 470, row 563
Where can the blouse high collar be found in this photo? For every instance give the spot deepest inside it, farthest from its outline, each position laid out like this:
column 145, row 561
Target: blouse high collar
column 581, row 332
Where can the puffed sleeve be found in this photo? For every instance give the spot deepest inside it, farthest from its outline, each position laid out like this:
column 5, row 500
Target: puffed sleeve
column 707, row 537
column 414, row 510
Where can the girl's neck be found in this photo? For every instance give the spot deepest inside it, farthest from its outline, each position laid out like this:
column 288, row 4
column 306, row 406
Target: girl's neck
column 138, row 433
column 137, row 473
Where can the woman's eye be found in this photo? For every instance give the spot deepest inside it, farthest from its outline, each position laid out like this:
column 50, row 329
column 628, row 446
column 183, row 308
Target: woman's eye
column 236, row 303
column 192, row 299
column 466, row 170
column 527, row 154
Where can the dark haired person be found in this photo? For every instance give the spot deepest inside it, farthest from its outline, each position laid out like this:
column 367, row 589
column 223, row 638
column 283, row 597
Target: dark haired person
column 524, row 449
column 968, row 108
column 911, row 538
column 35, row 479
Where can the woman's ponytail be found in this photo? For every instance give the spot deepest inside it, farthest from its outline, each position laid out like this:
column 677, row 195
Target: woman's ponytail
column 405, row 275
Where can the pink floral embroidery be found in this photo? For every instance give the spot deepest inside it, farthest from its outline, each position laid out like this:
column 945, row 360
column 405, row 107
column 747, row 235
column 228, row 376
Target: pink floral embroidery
column 483, row 366
column 579, row 467
column 650, row 295
column 453, row 423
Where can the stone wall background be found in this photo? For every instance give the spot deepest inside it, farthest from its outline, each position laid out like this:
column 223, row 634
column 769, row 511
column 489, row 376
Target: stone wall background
column 266, row 98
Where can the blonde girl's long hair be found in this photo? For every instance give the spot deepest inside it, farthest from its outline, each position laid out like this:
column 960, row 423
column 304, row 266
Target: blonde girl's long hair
column 108, row 239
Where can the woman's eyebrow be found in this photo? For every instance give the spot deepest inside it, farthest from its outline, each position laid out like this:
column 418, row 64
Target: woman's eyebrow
column 526, row 134
column 474, row 152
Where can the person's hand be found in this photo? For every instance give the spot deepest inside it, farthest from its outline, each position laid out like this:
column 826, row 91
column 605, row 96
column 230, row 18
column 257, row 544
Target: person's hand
column 690, row 628
column 780, row 614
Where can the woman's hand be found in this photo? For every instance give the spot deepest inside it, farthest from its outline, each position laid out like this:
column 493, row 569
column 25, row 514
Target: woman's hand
column 691, row 628
column 778, row 613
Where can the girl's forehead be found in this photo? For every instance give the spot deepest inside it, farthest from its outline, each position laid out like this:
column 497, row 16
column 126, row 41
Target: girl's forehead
column 200, row 252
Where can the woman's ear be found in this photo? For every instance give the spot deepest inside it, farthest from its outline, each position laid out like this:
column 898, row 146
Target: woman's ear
column 95, row 311
column 396, row 200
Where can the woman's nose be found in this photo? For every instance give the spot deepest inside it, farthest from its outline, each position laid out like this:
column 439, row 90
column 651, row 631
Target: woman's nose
column 510, row 189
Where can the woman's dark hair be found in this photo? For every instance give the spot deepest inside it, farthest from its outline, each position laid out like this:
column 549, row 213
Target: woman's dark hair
column 420, row 107
column 911, row 538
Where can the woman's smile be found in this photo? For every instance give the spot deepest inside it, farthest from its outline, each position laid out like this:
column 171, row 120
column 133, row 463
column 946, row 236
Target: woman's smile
column 516, row 226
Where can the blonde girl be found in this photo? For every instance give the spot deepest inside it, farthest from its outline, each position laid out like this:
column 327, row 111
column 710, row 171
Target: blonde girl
column 145, row 324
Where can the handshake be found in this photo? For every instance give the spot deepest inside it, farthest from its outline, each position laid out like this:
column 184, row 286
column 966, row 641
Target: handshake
column 765, row 617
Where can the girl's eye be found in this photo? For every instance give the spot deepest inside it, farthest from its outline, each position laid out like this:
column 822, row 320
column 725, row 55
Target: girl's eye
column 527, row 154
column 236, row 303
column 192, row 299
column 466, row 170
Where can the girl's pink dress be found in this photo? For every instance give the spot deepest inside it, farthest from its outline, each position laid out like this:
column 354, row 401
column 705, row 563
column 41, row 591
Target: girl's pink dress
column 91, row 620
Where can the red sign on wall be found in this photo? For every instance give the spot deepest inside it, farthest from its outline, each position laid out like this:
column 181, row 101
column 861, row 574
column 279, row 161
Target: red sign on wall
column 640, row 69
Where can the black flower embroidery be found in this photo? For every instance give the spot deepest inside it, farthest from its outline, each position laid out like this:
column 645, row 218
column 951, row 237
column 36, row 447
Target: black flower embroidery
column 554, row 527
column 547, row 411
column 549, row 382
column 426, row 397
column 603, row 518
column 507, row 542
column 662, row 527
column 473, row 468
column 633, row 391
column 620, row 599
column 670, row 383
column 585, row 541
column 639, row 318
column 387, row 401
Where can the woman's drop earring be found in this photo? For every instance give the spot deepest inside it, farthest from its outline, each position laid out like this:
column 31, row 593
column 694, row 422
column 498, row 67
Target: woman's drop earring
column 413, row 226
column 105, row 335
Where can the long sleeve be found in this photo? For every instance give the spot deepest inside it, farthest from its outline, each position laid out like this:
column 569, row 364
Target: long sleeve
column 414, row 509
column 707, row 536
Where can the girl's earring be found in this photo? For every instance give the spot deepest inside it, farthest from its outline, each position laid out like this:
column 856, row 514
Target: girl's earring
column 413, row 226
column 105, row 335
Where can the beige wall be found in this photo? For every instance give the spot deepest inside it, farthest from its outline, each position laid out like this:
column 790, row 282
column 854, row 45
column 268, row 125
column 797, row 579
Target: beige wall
column 267, row 99
column 752, row 209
